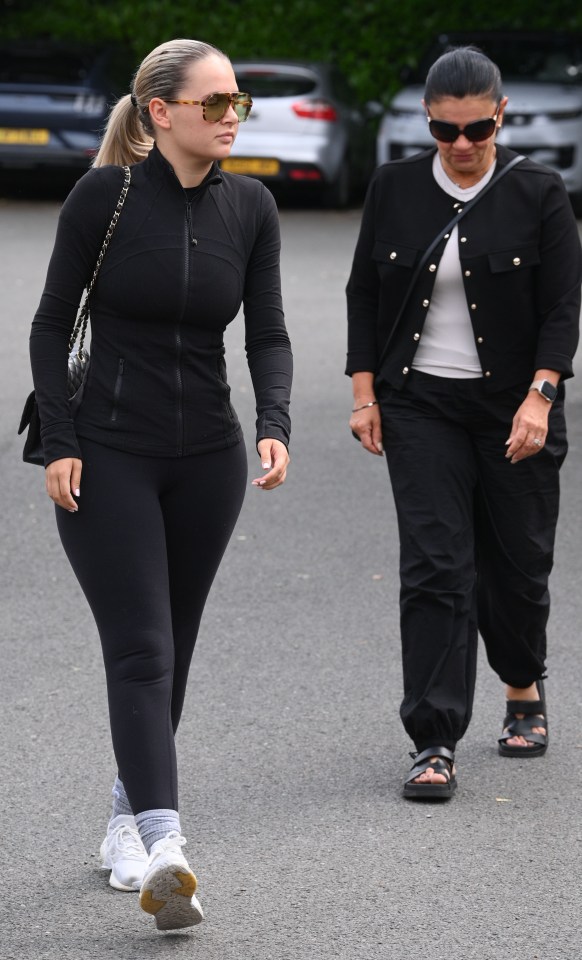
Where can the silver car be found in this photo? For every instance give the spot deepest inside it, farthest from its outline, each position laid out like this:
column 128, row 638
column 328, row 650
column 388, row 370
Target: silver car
column 542, row 76
column 306, row 129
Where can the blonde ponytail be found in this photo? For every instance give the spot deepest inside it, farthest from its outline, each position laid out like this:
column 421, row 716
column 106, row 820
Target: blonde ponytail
column 124, row 140
column 128, row 137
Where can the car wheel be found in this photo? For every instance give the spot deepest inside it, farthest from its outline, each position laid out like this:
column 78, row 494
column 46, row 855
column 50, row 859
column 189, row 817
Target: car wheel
column 336, row 194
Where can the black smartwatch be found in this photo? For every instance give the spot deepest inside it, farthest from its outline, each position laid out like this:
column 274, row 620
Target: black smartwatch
column 548, row 391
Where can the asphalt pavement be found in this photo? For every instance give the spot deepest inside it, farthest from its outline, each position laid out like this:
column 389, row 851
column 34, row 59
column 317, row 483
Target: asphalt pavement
column 291, row 750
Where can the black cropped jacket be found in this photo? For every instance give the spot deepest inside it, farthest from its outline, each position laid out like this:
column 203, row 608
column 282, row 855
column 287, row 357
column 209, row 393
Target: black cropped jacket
column 178, row 268
column 521, row 265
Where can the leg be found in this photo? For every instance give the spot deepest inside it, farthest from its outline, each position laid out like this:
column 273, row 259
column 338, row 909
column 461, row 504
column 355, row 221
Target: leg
column 200, row 510
column 516, row 517
column 117, row 547
column 516, row 521
column 433, row 478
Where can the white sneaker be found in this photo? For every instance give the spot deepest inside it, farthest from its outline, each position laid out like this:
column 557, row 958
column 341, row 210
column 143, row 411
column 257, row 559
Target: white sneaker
column 168, row 887
column 124, row 854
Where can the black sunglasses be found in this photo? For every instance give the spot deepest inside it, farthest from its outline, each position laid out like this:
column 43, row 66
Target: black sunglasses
column 474, row 131
column 216, row 105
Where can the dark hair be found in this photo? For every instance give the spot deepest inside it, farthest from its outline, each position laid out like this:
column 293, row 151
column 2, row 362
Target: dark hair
column 463, row 72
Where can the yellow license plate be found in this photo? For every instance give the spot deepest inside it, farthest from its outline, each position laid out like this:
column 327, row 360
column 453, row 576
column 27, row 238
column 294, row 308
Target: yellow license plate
column 260, row 168
column 31, row 137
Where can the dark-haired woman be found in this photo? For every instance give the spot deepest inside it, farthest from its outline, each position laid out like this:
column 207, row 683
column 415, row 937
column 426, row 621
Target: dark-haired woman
column 468, row 406
column 149, row 478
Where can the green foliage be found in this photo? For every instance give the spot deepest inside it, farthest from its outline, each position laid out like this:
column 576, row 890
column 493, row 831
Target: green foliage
column 372, row 40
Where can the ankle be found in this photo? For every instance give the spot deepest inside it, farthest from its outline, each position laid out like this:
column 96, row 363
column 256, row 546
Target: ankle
column 154, row 825
column 522, row 693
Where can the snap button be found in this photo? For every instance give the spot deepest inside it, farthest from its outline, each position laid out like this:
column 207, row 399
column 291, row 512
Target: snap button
column 488, row 373
column 416, row 336
column 393, row 255
column 516, row 261
column 432, row 267
column 447, row 235
column 473, row 306
column 455, row 205
column 467, row 273
column 405, row 370
column 425, row 303
column 479, row 339
column 463, row 239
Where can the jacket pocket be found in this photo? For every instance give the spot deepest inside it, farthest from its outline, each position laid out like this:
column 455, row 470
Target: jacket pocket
column 118, row 387
column 515, row 259
column 394, row 254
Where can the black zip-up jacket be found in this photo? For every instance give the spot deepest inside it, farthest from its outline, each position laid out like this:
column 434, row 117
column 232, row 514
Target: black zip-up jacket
column 521, row 265
column 179, row 265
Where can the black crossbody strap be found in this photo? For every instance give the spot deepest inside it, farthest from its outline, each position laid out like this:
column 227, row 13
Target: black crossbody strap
column 440, row 236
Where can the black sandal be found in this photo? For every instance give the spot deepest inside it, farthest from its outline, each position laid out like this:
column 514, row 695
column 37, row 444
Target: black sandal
column 534, row 716
column 443, row 764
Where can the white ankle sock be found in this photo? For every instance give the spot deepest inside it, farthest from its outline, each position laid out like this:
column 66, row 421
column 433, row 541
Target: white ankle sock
column 121, row 806
column 154, row 825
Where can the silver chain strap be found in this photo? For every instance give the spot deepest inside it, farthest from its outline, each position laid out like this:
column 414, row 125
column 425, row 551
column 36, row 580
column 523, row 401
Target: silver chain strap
column 80, row 327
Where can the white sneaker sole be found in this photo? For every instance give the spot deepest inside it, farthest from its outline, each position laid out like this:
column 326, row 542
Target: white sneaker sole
column 168, row 894
column 118, row 885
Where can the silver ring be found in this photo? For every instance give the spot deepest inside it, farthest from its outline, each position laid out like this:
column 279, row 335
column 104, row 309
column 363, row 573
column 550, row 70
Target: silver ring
column 537, row 441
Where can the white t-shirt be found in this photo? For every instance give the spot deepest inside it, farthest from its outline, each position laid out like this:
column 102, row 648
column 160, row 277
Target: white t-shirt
column 447, row 345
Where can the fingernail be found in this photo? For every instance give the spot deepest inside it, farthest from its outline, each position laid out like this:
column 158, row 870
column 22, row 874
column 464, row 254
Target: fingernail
column 72, row 511
column 507, row 442
column 77, row 492
column 380, row 447
column 266, row 466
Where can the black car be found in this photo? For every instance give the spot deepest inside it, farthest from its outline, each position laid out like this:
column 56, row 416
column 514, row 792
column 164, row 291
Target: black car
column 54, row 101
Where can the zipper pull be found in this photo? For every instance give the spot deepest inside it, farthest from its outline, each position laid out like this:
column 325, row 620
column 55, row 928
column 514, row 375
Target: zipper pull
column 193, row 239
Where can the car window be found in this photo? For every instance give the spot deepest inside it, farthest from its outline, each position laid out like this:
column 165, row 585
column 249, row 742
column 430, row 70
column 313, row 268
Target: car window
column 262, row 83
column 37, row 68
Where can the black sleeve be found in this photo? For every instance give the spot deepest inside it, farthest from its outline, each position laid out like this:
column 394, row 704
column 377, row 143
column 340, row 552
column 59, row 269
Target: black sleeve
column 82, row 225
column 363, row 290
column 266, row 340
column 558, row 282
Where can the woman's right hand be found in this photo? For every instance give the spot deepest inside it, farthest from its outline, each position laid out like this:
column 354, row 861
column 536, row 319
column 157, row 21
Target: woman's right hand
column 63, row 479
column 367, row 425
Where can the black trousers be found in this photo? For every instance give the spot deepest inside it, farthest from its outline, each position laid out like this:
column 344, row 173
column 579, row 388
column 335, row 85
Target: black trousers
column 476, row 544
column 145, row 546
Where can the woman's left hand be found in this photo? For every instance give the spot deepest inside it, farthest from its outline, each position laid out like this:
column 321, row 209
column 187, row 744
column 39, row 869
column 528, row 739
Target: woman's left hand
column 274, row 460
column 529, row 429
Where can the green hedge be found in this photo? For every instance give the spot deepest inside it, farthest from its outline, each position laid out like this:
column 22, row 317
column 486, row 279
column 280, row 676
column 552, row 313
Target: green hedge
column 371, row 39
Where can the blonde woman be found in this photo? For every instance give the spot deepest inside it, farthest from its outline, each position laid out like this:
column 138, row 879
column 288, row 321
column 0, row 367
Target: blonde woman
column 149, row 477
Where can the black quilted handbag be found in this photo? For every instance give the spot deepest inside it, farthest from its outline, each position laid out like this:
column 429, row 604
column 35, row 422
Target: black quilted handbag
column 78, row 364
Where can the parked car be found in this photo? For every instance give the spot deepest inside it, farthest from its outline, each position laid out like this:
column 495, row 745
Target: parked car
column 54, row 101
column 306, row 129
column 542, row 76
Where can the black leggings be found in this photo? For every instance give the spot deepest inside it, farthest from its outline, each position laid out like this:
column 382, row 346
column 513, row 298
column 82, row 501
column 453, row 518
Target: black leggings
column 145, row 546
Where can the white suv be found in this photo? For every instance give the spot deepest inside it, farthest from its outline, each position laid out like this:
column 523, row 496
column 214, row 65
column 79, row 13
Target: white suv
column 542, row 77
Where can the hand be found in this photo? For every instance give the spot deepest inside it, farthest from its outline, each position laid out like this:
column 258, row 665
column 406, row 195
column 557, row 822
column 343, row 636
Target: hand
column 530, row 423
column 367, row 425
column 274, row 459
column 63, row 478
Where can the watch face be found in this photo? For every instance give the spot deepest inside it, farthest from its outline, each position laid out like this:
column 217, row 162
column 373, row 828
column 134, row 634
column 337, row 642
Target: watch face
column 549, row 390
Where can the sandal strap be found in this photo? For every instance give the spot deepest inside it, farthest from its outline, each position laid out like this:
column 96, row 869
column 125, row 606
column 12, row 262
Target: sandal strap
column 433, row 752
column 524, row 728
column 526, row 706
column 422, row 761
